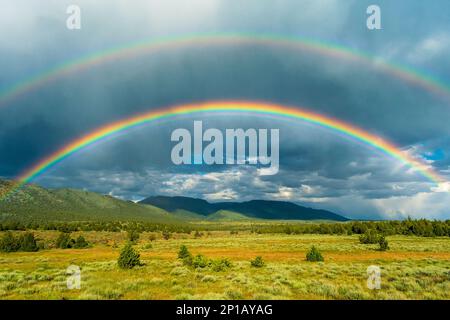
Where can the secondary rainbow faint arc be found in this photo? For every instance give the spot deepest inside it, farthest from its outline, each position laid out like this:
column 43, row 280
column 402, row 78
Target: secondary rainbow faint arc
column 143, row 47
column 227, row 106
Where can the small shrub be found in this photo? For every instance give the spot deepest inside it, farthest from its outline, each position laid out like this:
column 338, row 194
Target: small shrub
column 9, row 243
column 64, row 241
column 369, row 237
column 129, row 258
column 200, row 261
column 188, row 261
column 258, row 262
column 152, row 237
column 183, row 253
column 234, row 295
column 180, row 271
column 314, row 255
column 165, row 234
column 133, row 235
column 198, row 234
column 28, row 243
column 384, row 245
column 220, row 265
column 25, row 242
column 80, row 243
column 208, row 278
column 147, row 246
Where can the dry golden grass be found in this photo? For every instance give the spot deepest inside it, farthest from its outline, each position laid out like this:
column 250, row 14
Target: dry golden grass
column 414, row 268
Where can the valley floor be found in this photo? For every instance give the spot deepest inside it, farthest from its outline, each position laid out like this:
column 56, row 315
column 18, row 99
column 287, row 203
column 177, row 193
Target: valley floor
column 414, row 268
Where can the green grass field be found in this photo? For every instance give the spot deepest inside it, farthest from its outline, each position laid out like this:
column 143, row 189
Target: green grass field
column 414, row 268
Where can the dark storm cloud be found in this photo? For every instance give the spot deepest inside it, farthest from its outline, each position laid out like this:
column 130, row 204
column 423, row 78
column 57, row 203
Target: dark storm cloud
column 330, row 174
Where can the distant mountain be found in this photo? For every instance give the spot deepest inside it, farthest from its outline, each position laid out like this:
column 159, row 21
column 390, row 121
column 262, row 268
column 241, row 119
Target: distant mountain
column 257, row 209
column 224, row 215
column 172, row 204
column 34, row 202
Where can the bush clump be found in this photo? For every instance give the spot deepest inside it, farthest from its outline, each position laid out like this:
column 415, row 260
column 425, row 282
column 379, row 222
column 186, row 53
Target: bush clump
column 370, row 236
column 314, row 255
column 129, row 258
column 64, row 241
column 28, row 242
column 200, row 261
column 384, row 245
column 8, row 243
column 258, row 262
column 220, row 265
column 165, row 234
column 133, row 235
column 25, row 242
column 80, row 243
column 198, row 234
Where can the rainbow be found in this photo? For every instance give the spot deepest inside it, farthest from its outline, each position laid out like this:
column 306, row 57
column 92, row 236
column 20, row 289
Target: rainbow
column 225, row 106
column 296, row 43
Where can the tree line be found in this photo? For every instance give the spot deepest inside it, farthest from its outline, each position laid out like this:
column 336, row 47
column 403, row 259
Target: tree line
column 111, row 226
column 422, row 227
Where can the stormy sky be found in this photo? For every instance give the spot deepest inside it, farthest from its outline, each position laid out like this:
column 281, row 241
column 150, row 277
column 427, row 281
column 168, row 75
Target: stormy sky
column 318, row 167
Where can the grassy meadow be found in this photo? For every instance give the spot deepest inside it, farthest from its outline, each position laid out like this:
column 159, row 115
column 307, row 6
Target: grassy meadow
column 413, row 268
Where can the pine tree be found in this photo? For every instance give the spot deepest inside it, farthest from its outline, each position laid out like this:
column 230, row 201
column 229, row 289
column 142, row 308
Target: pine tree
column 183, row 253
column 129, row 258
column 384, row 245
column 314, row 255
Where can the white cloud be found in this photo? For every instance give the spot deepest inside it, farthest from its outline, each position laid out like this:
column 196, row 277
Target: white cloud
column 242, row 184
column 429, row 205
column 170, row 16
column 430, row 48
column 284, row 193
column 227, row 194
column 442, row 187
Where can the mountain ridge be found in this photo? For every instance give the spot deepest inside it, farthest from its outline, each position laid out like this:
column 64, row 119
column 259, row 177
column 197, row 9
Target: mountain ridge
column 36, row 202
column 259, row 209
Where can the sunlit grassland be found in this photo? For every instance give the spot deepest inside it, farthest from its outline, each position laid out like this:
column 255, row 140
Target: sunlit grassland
column 414, row 268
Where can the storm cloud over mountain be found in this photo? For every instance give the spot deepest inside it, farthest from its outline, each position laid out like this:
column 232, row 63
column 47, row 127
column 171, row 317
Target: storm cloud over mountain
column 318, row 167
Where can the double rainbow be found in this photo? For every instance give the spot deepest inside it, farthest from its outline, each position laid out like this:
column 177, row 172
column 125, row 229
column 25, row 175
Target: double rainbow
column 226, row 106
column 147, row 47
